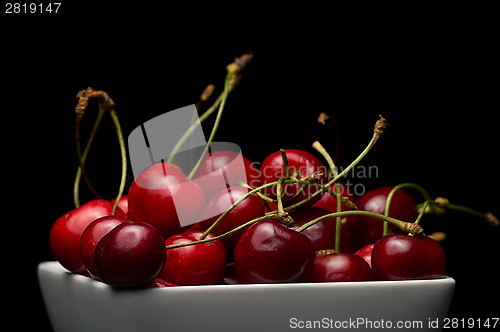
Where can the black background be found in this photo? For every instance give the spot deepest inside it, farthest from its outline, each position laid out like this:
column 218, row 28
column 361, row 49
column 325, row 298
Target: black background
column 431, row 74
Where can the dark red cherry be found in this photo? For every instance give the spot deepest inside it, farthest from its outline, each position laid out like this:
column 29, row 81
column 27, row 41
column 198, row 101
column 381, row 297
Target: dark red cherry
column 364, row 230
column 329, row 202
column 366, row 253
column 272, row 169
column 198, row 264
column 163, row 197
column 92, row 235
column 340, row 267
column 269, row 252
column 66, row 232
column 122, row 204
column 131, row 254
column 219, row 168
column 403, row 257
column 248, row 209
column 321, row 234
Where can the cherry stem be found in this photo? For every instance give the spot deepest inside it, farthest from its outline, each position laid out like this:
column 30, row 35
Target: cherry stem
column 403, row 225
column 105, row 104
column 203, row 238
column 193, row 126
column 406, row 227
column 123, row 153
column 83, row 157
column 322, row 118
column 225, row 94
column 317, row 145
column 410, row 185
column 250, row 193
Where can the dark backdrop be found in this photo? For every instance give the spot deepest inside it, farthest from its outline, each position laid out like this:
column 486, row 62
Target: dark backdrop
column 431, row 77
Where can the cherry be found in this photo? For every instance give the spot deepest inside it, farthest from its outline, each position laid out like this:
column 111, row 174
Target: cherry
column 197, row 264
column 269, row 252
column 364, row 230
column 225, row 168
column 163, row 197
column 248, row 209
column 92, row 235
column 321, row 234
column 366, row 253
column 273, row 168
column 340, row 267
column 131, row 254
column 329, row 202
column 402, row 257
column 122, row 204
column 67, row 230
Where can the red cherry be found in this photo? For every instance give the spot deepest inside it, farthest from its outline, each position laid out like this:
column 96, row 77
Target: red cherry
column 363, row 230
column 92, row 235
column 303, row 162
column 163, row 197
column 329, row 202
column 366, row 253
column 66, row 232
column 198, row 264
column 122, row 204
column 340, row 267
column 321, row 234
column 212, row 179
column 402, row 257
column 269, row 252
column 131, row 254
column 248, row 209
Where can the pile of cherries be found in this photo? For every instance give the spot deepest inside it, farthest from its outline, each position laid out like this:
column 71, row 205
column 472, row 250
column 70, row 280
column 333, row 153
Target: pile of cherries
column 143, row 244
column 282, row 224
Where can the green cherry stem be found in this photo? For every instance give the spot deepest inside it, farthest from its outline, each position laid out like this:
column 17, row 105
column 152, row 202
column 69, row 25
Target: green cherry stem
column 82, row 157
column 193, row 126
column 406, row 227
column 317, row 145
column 123, row 153
column 409, row 185
column 223, row 215
column 225, row 94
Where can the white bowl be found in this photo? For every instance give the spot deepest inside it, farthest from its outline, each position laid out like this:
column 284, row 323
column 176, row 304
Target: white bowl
column 77, row 303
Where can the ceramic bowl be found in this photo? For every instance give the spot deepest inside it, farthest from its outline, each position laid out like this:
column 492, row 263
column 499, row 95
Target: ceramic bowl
column 77, row 303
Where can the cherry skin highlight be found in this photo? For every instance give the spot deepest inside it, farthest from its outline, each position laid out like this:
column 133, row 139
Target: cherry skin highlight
column 403, row 257
column 340, row 267
column 269, row 252
column 66, row 232
column 92, row 235
column 131, row 254
column 198, row 264
column 364, row 230
column 162, row 194
column 248, row 209
column 273, row 168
